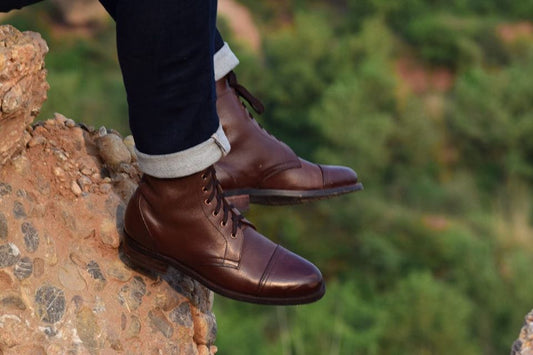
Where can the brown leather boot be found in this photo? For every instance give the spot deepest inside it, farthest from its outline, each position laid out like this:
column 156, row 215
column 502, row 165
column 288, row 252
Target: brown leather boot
column 186, row 223
column 263, row 168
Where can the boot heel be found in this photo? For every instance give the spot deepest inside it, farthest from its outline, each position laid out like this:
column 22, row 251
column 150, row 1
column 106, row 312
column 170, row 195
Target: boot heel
column 141, row 258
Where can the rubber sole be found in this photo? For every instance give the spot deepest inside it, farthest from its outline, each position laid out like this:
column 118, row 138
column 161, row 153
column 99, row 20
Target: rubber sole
column 242, row 197
column 151, row 261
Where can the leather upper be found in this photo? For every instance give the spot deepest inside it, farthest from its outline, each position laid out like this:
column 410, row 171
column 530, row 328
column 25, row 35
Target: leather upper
column 186, row 220
column 260, row 161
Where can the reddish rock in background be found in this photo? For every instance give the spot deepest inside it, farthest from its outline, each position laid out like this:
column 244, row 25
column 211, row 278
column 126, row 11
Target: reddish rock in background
column 64, row 287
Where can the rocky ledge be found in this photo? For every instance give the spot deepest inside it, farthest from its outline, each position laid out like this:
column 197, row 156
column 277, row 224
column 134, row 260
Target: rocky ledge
column 64, row 287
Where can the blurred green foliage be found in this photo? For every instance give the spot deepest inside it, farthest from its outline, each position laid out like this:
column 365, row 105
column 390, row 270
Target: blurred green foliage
column 434, row 256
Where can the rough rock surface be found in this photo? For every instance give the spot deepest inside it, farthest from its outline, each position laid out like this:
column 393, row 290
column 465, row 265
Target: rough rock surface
column 64, row 287
column 23, row 86
column 524, row 344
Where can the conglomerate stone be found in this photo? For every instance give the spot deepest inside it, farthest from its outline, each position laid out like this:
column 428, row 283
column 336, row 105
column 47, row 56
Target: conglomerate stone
column 23, row 87
column 64, row 286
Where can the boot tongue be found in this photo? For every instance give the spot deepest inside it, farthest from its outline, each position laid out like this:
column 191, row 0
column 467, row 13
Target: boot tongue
column 245, row 94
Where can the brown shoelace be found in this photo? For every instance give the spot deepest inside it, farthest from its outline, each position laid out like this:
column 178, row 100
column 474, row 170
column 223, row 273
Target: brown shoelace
column 223, row 205
column 256, row 104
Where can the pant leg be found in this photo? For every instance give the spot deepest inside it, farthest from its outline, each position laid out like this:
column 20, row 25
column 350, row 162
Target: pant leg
column 224, row 60
column 219, row 42
column 111, row 7
column 166, row 50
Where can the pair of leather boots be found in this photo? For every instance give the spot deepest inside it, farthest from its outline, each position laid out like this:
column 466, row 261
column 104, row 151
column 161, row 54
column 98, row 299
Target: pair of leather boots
column 188, row 223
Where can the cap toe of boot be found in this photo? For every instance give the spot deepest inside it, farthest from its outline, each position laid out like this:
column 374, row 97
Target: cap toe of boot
column 292, row 278
column 336, row 176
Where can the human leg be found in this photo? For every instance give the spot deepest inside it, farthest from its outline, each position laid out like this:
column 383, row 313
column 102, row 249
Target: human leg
column 178, row 216
column 261, row 168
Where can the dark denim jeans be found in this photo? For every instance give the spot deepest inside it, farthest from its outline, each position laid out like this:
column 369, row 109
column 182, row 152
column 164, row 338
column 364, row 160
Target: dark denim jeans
column 165, row 50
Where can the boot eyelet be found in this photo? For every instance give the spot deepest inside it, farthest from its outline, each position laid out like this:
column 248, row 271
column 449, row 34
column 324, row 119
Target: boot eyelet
column 223, row 224
column 204, row 189
column 233, row 235
column 204, row 176
column 214, row 213
column 207, row 202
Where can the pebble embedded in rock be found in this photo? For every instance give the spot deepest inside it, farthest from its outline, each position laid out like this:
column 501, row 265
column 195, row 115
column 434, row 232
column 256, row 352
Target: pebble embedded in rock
column 3, row 227
column 75, row 188
column 5, row 189
column 205, row 328
column 88, row 172
column 106, row 188
column 38, row 267
column 119, row 272
column 131, row 295
column 23, row 268
column 59, row 153
column 160, row 322
column 134, row 328
column 69, row 220
column 18, row 210
column 203, row 350
column 109, row 234
column 84, row 182
column 37, row 140
column 22, row 193
column 9, row 255
column 123, row 321
column 94, row 270
column 70, row 278
column 182, row 315
column 113, row 151
column 102, row 131
column 60, row 173
column 50, row 303
column 13, row 302
column 70, row 123
column 51, row 332
column 31, row 237
column 167, row 299
column 87, row 328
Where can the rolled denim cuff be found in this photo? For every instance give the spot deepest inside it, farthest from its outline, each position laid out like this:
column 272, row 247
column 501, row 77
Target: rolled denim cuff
column 188, row 161
column 225, row 61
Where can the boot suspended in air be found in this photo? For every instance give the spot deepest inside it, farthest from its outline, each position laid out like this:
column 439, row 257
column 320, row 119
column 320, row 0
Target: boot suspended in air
column 263, row 169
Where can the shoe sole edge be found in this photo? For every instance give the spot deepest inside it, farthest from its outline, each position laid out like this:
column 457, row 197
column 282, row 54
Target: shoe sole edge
column 291, row 197
column 153, row 261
